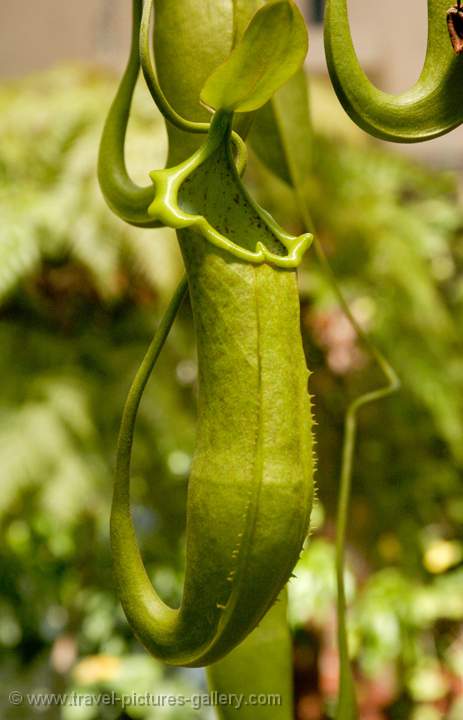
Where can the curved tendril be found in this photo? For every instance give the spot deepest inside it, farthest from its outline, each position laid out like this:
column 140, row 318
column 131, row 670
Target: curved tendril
column 347, row 704
column 127, row 200
column 432, row 107
column 161, row 100
column 299, row 165
column 131, row 576
column 152, row 81
column 346, row 709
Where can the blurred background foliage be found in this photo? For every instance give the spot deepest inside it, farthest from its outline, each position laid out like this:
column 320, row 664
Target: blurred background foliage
column 80, row 295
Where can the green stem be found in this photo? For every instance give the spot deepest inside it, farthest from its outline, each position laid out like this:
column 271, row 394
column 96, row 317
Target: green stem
column 347, row 704
column 125, row 198
column 129, row 416
column 260, row 665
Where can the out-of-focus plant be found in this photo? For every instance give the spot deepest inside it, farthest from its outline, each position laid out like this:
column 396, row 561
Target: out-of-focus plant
column 80, row 294
column 50, row 203
column 405, row 633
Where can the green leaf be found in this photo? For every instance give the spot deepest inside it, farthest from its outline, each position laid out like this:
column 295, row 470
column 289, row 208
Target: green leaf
column 271, row 50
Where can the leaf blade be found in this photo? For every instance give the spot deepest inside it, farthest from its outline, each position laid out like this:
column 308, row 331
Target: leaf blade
column 271, row 51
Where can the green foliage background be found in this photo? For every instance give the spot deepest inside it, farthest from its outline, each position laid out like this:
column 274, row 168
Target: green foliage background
column 80, row 295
